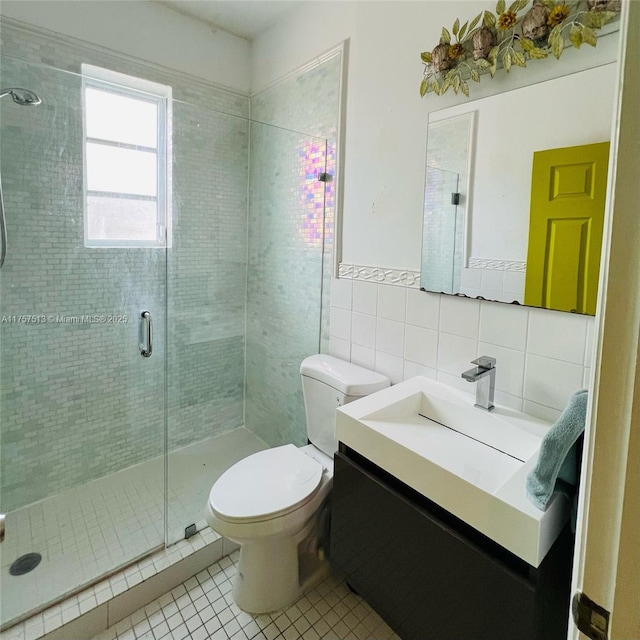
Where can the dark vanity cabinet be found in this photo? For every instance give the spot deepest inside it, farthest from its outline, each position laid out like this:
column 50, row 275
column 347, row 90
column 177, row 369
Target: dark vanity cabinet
column 432, row 577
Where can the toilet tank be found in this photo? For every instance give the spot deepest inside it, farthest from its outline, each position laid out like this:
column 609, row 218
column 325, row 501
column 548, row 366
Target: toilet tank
column 327, row 383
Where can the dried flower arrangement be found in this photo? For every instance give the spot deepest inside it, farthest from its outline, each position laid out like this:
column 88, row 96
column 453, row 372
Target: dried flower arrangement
column 508, row 38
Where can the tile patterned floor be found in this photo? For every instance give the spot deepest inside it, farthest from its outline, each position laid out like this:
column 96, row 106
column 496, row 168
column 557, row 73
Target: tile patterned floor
column 120, row 585
column 90, row 530
column 202, row 608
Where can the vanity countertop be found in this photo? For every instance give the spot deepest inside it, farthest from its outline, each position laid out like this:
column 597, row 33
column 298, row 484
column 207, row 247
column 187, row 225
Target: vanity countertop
column 470, row 462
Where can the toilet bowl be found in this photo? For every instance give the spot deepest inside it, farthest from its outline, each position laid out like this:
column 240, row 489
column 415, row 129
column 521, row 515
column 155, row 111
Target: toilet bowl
column 270, row 503
column 275, row 503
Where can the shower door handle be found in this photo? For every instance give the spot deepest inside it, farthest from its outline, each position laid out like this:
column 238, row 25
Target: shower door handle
column 2, row 516
column 146, row 344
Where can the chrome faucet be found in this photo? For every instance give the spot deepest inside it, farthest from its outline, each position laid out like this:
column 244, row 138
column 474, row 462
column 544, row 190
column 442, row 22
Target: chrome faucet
column 485, row 377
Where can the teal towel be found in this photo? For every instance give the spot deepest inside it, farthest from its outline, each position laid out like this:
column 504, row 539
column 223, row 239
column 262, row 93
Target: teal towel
column 557, row 466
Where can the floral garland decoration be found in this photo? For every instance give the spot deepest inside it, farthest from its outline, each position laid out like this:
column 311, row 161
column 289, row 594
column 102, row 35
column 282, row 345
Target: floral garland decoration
column 507, row 38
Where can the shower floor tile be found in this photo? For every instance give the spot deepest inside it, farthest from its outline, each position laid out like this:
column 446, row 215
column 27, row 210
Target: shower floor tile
column 94, row 529
column 202, row 608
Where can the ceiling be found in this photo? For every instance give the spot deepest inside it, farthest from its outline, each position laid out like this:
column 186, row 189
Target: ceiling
column 243, row 18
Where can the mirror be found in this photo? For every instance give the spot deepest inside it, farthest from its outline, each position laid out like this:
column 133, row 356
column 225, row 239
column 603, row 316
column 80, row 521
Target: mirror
column 483, row 234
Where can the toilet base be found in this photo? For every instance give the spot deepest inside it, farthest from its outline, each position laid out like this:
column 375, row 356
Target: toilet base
column 274, row 573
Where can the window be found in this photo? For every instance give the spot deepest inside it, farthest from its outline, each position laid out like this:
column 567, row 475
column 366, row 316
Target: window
column 127, row 160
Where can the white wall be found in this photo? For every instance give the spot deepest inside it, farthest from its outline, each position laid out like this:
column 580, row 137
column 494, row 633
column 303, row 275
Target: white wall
column 314, row 28
column 146, row 30
column 386, row 118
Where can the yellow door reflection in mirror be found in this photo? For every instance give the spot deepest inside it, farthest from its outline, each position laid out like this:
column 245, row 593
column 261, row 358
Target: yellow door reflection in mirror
column 568, row 192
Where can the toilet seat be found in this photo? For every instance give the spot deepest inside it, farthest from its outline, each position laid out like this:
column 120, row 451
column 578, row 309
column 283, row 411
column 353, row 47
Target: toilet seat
column 265, row 485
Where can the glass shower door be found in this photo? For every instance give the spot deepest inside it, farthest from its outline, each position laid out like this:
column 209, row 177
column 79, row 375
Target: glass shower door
column 82, row 371
column 290, row 192
column 238, row 329
column 206, row 279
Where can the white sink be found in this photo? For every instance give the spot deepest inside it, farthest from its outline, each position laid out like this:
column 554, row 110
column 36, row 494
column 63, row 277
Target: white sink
column 471, row 462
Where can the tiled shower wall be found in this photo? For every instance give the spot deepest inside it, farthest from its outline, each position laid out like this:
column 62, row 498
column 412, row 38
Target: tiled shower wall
column 207, row 274
column 542, row 356
column 77, row 400
column 289, row 262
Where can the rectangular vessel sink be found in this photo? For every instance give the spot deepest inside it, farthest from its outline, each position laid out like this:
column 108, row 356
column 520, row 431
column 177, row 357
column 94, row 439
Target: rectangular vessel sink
column 468, row 461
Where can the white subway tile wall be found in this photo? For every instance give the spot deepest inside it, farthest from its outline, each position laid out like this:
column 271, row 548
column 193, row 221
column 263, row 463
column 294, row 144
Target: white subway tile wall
column 421, row 346
column 423, row 310
column 341, row 292
column 363, row 329
column 365, row 297
column 548, row 335
column 504, row 325
column 340, row 348
column 392, row 303
column 341, row 323
column 455, row 353
column 390, row 337
column 543, row 356
column 550, row 382
column 459, row 316
column 493, row 284
column 363, row 356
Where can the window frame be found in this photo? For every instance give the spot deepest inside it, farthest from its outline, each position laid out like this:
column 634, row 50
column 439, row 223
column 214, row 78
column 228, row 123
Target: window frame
column 144, row 90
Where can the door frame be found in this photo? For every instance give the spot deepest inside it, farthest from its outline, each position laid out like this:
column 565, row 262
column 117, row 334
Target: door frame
column 607, row 553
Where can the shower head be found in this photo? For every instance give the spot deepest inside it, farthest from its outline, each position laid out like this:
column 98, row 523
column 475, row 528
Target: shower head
column 23, row 97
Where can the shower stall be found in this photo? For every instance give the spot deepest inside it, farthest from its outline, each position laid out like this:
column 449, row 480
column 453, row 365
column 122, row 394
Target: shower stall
column 158, row 294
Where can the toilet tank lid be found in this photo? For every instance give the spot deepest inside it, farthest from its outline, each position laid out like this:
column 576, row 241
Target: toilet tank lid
column 348, row 378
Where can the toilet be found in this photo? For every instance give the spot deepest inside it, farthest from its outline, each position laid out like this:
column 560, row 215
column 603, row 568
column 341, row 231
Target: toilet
column 274, row 503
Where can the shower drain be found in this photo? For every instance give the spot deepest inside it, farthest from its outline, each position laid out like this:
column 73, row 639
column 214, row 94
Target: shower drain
column 24, row 564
